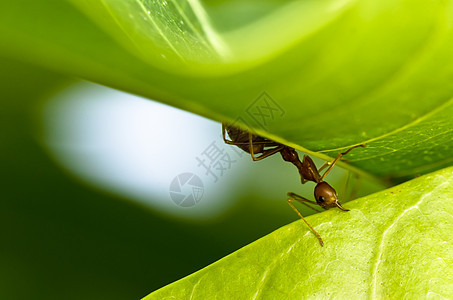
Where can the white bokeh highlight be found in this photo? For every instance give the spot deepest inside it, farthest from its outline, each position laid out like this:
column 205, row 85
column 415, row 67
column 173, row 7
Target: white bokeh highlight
column 134, row 147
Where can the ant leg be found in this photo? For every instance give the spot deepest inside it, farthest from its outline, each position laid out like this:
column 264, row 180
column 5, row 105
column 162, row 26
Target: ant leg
column 224, row 136
column 303, row 201
column 265, row 153
column 325, row 165
column 338, row 158
column 294, row 197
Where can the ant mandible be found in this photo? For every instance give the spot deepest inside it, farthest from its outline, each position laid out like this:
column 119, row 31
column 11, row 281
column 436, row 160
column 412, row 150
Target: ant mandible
column 325, row 195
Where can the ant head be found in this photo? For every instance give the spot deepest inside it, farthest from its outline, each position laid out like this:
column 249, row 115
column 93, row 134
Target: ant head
column 326, row 196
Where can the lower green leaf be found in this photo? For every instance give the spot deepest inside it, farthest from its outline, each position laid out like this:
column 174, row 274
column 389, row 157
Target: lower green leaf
column 393, row 244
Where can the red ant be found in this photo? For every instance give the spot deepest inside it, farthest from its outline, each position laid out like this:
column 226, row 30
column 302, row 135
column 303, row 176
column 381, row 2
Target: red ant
column 325, row 195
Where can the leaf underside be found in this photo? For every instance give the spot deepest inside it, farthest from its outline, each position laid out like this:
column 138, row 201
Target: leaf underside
column 337, row 73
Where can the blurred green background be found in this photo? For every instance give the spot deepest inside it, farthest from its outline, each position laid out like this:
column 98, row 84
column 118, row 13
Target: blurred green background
column 64, row 237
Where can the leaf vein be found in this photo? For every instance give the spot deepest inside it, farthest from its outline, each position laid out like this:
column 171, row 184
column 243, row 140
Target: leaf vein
column 159, row 30
column 411, row 124
column 374, row 273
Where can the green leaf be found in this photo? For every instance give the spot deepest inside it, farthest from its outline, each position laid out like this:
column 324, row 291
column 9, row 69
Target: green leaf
column 158, row 32
column 339, row 73
column 393, row 244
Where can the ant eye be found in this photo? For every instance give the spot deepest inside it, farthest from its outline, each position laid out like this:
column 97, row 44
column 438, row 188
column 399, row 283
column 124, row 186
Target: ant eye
column 321, row 199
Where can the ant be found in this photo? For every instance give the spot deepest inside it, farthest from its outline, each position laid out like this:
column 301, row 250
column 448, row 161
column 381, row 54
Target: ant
column 325, row 195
